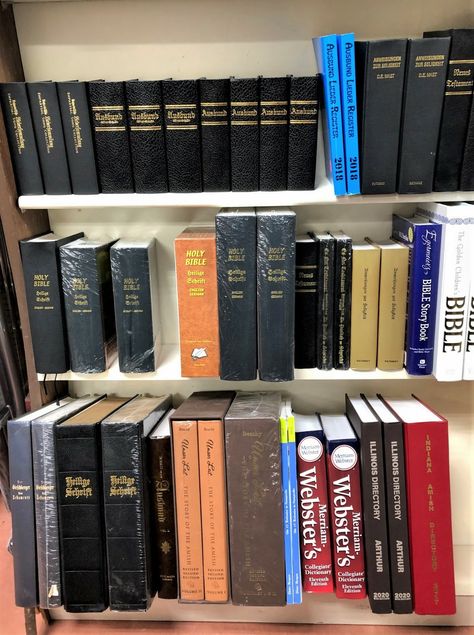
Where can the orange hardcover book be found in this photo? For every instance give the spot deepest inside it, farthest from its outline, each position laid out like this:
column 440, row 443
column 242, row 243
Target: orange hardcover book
column 213, row 510
column 196, row 278
column 188, row 510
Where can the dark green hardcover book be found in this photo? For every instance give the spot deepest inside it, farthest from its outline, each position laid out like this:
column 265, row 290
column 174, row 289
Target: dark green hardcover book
column 215, row 134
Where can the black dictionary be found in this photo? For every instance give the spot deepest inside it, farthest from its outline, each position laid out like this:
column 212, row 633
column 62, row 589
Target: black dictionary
column 134, row 277
column 306, row 289
column 342, row 300
column 380, row 70
column 44, row 297
column 467, row 171
column 325, row 300
column 244, row 134
column 111, row 136
column 377, row 554
column 303, row 132
column 274, row 106
column 78, row 137
column 88, row 299
column 183, row 139
column 215, row 134
column 276, row 294
column 147, row 135
column 425, row 76
column 127, row 522
column 456, row 108
column 21, row 138
column 236, row 288
column 47, row 124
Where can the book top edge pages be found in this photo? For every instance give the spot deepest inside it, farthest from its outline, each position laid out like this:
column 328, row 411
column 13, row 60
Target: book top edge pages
column 381, row 410
column 163, row 428
column 138, row 409
column 255, row 404
column 306, row 423
column 363, row 411
column 97, row 411
column 36, row 414
column 204, row 405
column 413, row 411
column 337, row 428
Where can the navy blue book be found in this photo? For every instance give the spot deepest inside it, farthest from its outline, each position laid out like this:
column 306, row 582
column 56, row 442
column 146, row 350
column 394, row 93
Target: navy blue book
column 424, row 241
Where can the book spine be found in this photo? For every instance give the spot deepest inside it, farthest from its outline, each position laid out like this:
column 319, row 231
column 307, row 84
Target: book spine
column 429, row 514
column 382, row 106
column 303, row 132
column 342, row 303
column 78, row 137
column 80, row 511
column 161, row 497
column 377, row 555
column 294, row 518
column 49, row 135
column 285, row 490
column 306, row 285
column 46, row 512
column 328, row 65
column 197, row 306
column 274, row 107
column 244, row 134
column 111, row 136
column 392, row 308
column 427, row 63
column 188, row 510
column 346, row 519
column 468, row 367
column 325, row 303
column 147, row 136
column 21, row 138
column 126, row 517
column 397, row 518
column 347, row 73
column 275, row 296
column 236, row 244
column 467, row 170
column 213, row 510
column 314, row 519
column 132, row 269
column 215, row 135
column 183, row 142
column 365, row 304
column 23, row 514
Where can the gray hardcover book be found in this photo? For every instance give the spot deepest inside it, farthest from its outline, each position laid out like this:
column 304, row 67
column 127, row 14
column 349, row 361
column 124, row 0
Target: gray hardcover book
column 46, row 504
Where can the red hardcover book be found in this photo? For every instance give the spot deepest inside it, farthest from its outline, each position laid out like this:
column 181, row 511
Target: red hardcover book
column 429, row 506
column 315, row 538
column 342, row 457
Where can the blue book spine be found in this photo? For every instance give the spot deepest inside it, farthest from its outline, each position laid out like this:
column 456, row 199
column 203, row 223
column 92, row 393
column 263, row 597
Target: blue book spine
column 328, row 65
column 294, row 516
column 424, row 241
column 349, row 111
column 286, row 507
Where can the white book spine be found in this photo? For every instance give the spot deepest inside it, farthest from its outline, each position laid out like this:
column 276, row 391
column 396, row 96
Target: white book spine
column 468, row 371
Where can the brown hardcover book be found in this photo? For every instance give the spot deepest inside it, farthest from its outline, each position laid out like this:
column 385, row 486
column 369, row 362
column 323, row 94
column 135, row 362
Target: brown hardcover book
column 254, row 499
column 392, row 305
column 213, row 510
column 365, row 305
column 196, row 277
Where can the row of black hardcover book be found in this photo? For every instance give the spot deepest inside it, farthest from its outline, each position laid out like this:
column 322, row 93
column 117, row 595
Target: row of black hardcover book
column 160, row 136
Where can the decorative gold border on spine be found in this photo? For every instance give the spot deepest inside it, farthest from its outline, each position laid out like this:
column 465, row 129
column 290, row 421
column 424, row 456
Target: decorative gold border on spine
column 107, row 107
column 145, row 107
column 170, row 106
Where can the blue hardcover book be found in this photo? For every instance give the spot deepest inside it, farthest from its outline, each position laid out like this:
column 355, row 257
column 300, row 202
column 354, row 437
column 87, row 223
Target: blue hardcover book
column 285, row 488
column 424, row 241
column 294, row 516
column 325, row 49
column 347, row 73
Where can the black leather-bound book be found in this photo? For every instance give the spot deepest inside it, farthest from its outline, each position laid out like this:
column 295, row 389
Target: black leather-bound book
column 325, row 245
column 276, row 294
column 244, row 134
column 110, row 126
column 236, row 244
column 134, row 278
column 147, row 135
column 342, row 300
column 425, row 77
column 380, row 71
column 274, row 97
column 467, row 171
column 131, row 579
column 48, row 127
column 456, row 108
column 215, row 134
column 88, row 300
column 183, row 138
column 306, row 288
column 21, row 138
column 78, row 137
column 303, row 132
column 44, row 297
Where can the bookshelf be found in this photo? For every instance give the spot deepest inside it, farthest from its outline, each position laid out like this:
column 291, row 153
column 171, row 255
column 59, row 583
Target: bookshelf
column 120, row 39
